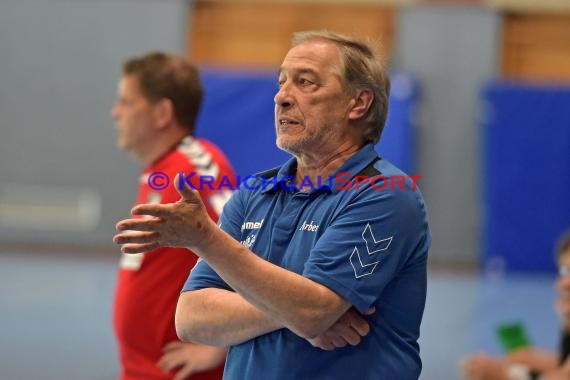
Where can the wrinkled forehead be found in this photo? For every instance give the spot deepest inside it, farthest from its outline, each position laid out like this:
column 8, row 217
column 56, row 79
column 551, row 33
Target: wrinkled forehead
column 312, row 56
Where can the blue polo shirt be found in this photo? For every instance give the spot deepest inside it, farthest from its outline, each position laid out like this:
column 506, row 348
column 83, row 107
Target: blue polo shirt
column 368, row 245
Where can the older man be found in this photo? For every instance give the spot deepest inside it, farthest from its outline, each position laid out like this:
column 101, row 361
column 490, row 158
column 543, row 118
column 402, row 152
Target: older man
column 307, row 282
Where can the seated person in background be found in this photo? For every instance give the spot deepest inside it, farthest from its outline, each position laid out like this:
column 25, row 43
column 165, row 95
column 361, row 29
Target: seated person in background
column 530, row 363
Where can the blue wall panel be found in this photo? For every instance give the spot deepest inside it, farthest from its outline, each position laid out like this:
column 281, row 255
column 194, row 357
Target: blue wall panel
column 526, row 174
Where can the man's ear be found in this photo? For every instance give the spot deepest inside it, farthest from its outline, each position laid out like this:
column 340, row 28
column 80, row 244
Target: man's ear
column 361, row 103
column 164, row 112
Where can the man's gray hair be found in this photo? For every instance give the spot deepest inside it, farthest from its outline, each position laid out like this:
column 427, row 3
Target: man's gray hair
column 362, row 68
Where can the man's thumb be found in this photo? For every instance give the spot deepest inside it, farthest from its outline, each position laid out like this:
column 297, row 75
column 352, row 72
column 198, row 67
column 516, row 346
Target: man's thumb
column 188, row 193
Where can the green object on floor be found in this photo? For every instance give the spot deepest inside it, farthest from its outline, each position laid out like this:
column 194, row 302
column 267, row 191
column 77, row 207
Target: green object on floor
column 513, row 336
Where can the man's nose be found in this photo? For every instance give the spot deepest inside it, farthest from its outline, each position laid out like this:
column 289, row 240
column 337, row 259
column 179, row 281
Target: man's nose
column 115, row 111
column 284, row 98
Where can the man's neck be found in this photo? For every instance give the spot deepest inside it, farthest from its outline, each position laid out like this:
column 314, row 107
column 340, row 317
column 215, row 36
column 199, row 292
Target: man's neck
column 315, row 167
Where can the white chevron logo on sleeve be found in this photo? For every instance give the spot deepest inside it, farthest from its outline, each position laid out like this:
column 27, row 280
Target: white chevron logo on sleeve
column 365, row 265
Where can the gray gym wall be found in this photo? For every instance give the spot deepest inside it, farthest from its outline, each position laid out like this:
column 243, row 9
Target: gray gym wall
column 59, row 66
column 452, row 51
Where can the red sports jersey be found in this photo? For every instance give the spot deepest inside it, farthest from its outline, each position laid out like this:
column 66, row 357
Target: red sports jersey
column 149, row 283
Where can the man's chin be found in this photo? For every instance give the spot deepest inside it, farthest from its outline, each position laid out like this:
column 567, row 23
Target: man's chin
column 293, row 146
column 287, row 147
column 122, row 145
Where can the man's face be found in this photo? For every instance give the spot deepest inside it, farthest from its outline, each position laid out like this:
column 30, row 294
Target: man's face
column 311, row 106
column 134, row 116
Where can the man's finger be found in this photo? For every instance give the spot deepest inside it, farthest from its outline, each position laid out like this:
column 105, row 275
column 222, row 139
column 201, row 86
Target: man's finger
column 321, row 343
column 172, row 346
column 159, row 210
column 339, row 342
column 139, row 248
column 139, row 224
column 359, row 324
column 184, row 372
column 168, row 364
column 352, row 337
column 345, row 332
column 164, row 363
column 185, row 191
column 327, row 346
column 136, row 237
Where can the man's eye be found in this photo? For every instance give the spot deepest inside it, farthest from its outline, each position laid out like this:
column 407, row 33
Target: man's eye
column 280, row 83
column 305, row 82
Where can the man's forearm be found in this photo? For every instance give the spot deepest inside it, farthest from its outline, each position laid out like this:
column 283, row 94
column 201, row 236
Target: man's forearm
column 223, row 318
column 220, row 318
column 303, row 306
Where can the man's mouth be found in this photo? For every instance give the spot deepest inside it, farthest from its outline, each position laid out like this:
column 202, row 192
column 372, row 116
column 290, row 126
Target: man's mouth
column 287, row 122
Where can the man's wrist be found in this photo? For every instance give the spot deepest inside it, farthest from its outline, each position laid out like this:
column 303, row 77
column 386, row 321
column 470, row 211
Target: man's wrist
column 209, row 237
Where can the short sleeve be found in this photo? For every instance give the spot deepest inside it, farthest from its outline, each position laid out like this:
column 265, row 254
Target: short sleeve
column 202, row 275
column 368, row 243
